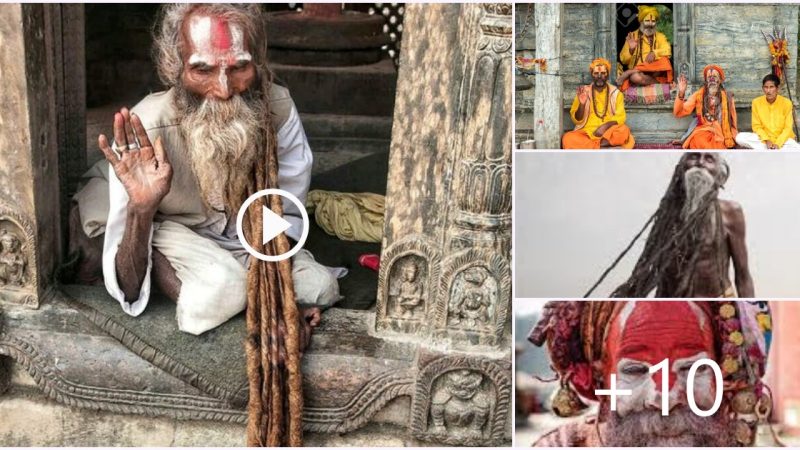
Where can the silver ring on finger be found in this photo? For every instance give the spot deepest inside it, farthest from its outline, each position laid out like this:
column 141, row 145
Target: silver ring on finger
column 117, row 149
column 133, row 146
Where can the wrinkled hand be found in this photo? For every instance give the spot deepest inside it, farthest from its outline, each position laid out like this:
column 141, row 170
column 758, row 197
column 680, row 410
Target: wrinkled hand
column 682, row 85
column 650, row 57
column 143, row 169
column 770, row 145
column 583, row 94
column 631, row 40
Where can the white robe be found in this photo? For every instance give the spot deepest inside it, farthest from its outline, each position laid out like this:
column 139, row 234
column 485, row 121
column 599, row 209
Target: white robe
column 200, row 244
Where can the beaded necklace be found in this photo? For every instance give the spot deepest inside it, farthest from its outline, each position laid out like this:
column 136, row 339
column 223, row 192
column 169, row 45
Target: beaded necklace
column 594, row 104
column 639, row 56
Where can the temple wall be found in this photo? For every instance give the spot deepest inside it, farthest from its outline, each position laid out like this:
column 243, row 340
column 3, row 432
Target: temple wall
column 724, row 34
column 730, row 35
column 580, row 22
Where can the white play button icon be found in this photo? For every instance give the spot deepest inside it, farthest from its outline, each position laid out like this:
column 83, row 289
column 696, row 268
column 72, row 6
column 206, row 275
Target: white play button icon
column 273, row 224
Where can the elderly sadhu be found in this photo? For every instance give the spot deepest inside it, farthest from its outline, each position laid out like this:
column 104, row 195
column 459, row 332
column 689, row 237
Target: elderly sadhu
column 646, row 53
column 592, row 343
column 696, row 238
column 598, row 112
column 714, row 110
column 171, row 221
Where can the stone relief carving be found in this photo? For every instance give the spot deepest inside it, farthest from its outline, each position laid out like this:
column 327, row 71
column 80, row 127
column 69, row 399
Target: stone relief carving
column 461, row 404
column 407, row 288
column 462, row 400
column 17, row 259
column 12, row 260
column 409, row 271
column 474, row 297
column 471, row 297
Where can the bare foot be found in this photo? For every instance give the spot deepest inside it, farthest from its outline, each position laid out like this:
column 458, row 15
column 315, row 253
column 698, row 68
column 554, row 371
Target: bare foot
column 624, row 76
column 309, row 319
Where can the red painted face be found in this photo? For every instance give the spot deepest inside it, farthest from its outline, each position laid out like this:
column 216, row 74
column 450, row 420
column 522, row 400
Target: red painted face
column 644, row 334
column 217, row 62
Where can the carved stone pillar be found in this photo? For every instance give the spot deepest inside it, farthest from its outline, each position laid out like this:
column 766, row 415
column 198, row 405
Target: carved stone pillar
column 548, row 117
column 445, row 278
column 30, row 245
column 474, row 294
column 605, row 45
column 683, row 47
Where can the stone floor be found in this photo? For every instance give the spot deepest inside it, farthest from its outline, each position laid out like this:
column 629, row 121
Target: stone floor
column 28, row 419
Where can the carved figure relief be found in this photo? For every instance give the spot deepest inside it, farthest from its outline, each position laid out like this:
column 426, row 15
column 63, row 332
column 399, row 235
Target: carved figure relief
column 12, row 260
column 406, row 285
column 472, row 295
column 462, row 400
column 17, row 259
column 461, row 404
column 407, row 288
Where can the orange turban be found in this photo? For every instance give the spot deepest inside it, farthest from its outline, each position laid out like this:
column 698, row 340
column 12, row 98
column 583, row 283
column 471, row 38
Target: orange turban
column 645, row 11
column 711, row 67
column 600, row 62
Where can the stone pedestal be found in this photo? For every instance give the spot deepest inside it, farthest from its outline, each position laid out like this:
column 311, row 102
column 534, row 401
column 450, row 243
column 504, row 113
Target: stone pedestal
column 30, row 246
column 445, row 278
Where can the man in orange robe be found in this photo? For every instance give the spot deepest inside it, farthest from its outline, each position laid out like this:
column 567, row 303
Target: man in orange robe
column 646, row 53
column 715, row 127
column 598, row 112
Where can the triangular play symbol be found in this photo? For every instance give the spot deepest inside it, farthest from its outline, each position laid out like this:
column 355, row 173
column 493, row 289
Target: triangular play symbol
column 273, row 225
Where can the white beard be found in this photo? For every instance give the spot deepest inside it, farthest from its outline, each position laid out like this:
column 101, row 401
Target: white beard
column 223, row 140
column 697, row 183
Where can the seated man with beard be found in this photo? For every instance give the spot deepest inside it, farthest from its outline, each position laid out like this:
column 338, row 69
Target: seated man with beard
column 714, row 127
column 694, row 239
column 646, row 53
column 598, row 112
column 173, row 203
column 589, row 341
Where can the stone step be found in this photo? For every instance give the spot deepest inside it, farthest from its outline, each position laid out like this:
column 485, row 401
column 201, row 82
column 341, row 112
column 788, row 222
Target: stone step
column 74, row 362
column 29, row 419
column 648, row 123
column 341, row 132
column 367, row 89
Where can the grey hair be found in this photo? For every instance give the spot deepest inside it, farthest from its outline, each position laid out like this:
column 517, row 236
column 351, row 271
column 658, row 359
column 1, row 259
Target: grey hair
column 168, row 39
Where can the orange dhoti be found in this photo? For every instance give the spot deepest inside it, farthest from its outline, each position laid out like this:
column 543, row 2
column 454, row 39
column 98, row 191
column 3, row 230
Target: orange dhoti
column 616, row 135
column 707, row 136
column 660, row 69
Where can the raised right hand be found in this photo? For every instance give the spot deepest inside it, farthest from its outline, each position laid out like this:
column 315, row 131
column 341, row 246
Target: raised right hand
column 144, row 171
column 682, row 84
column 583, row 94
column 631, row 39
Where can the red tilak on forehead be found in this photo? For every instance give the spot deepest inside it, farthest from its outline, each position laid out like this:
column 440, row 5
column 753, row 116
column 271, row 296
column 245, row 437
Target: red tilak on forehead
column 220, row 34
column 658, row 330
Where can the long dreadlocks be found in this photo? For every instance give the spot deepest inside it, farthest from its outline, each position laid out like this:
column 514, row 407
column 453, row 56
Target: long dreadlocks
column 674, row 244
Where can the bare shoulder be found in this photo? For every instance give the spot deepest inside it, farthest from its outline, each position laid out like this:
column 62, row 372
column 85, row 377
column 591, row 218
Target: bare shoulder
column 731, row 208
column 733, row 216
